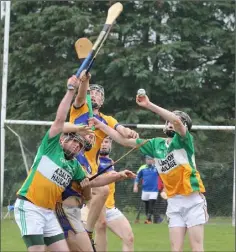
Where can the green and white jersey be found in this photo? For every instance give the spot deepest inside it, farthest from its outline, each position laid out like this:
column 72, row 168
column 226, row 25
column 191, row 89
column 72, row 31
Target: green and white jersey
column 50, row 174
column 175, row 163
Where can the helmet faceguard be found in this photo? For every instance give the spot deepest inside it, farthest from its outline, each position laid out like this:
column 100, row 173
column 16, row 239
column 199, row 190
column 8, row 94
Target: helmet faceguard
column 100, row 89
column 184, row 117
column 72, row 137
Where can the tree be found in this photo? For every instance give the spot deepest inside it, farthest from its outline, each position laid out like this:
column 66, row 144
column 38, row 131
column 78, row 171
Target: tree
column 181, row 52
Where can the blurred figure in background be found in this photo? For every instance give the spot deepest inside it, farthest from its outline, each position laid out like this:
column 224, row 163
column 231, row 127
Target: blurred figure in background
column 149, row 175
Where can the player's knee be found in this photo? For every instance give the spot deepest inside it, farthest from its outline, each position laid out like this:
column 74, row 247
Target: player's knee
column 129, row 238
column 101, row 191
column 197, row 245
column 176, row 246
column 104, row 191
column 101, row 225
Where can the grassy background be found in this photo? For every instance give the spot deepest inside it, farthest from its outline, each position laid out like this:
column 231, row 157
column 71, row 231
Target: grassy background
column 219, row 236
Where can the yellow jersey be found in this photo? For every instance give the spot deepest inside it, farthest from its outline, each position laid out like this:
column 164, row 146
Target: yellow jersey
column 81, row 116
column 105, row 162
column 110, row 202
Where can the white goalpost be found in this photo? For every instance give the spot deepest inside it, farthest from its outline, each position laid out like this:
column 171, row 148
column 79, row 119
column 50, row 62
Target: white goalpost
column 5, row 13
column 138, row 126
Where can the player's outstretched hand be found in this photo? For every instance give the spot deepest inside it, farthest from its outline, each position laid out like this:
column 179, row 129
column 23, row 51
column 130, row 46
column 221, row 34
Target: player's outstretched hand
column 126, row 174
column 73, row 82
column 142, row 101
column 85, row 183
column 84, row 77
column 84, row 130
column 94, row 121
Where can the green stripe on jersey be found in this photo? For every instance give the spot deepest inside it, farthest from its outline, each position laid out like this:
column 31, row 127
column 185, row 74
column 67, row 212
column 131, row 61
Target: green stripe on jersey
column 193, row 179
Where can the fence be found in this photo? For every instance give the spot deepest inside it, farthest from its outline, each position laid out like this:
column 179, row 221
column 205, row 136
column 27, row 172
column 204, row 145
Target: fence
column 214, row 158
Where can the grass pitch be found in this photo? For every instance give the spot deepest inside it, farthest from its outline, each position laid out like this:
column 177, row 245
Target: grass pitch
column 219, row 236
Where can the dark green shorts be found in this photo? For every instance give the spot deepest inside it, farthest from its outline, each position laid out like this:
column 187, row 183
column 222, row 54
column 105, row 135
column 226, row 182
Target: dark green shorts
column 33, row 240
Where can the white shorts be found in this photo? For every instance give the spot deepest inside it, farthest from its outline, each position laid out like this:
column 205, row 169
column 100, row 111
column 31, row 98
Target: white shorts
column 69, row 219
column 187, row 211
column 149, row 196
column 113, row 214
column 84, row 214
column 35, row 220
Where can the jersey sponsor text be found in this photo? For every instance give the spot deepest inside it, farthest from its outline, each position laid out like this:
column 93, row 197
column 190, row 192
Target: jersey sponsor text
column 61, row 177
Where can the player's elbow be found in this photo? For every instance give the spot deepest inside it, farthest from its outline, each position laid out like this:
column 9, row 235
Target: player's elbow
column 180, row 127
column 60, row 120
column 176, row 121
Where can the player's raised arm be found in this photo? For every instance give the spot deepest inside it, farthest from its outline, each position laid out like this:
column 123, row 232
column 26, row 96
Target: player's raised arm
column 127, row 132
column 64, row 107
column 116, row 136
column 179, row 126
column 80, row 98
column 112, row 177
column 82, row 130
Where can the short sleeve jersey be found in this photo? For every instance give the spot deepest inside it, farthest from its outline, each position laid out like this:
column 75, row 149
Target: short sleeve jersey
column 81, row 116
column 50, row 174
column 175, row 164
column 149, row 176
